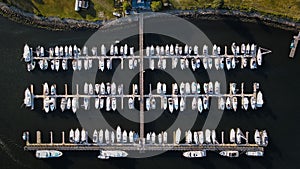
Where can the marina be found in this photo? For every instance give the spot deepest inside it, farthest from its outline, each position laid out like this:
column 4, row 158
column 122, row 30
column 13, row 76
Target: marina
column 105, row 95
column 108, row 142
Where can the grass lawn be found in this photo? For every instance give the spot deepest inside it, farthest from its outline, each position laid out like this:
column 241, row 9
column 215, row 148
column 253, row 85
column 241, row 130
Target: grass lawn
column 98, row 9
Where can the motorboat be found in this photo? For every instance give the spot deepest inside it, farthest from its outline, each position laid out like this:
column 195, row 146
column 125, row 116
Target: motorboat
column 118, row 134
column 217, row 87
column 86, row 88
column 194, row 87
column 106, row 154
column 148, row 104
column 79, row 64
column 112, row 137
column 264, row 138
column 86, row 103
column 69, row 103
column 46, row 88
column 64, row 64
column 204, row 61
column 205, row 102
column 174, row 89
column 27, row 98
column 233, row 63
column 253, row 102
column 101, row 103
column 63, row 104
column 217, row 63
column 232, row 136
column 95, row 136
column 100, row 135
column 198, row 63
column 159, row 138
column 259, row 57
column 101, row 64
column 182, row 104
column 221, row 63
column 74, row 104
column 243, row 49
column 77, row 136
column 228, row 63
column 165, row 137
column 177, row 136
column 210, row 62
column 234, row 103
column 46, row 104
column 196, row 138
column 53, row 89
column 201, row 137
column 259, row 99
column 74, row 64
column 221, row 103
column 113, row 88
column 230, row 154
column 27, row 53
column 131, row 103
column 106, row 136
column 253, row 64
column 171, row 106
column 108, row 88
column 194, row 103
column 108, row 105
column 205, row 88
column 83, row 136
column 198, row 88
column 48, row 154
column 255, row 153
column 200, row 107
column 188, row 137
column 210, row 88
column 245, row 103
column 182, row 88
column 102, row 88
column 130, row 135
column 176, row 102
column 120, row 89
column 228, row 103
column 214, row 137
column 71, row 136
column 208, row 136
column 97, row 88
column 97, row 103
column 114, row 104
column 124, row 136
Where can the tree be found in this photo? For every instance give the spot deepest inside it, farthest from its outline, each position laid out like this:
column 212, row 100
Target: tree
column 217, row 4
column 156, row 6
column 125, row 6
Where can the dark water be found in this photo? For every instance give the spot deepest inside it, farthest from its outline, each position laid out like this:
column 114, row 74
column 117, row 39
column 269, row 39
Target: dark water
column 278, row 78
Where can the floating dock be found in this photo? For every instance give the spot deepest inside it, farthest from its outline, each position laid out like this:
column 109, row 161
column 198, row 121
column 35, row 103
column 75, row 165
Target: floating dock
column 294, row 45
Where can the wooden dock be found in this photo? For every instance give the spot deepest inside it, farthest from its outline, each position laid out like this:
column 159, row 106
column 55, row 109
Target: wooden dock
column 141, row 97
column 295, row 44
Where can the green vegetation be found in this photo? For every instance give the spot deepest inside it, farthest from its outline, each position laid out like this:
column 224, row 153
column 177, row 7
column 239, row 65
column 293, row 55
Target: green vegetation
column 282, row 8
column 125, row 6
column 98, row 9
column 102, row 9
column 156, row 6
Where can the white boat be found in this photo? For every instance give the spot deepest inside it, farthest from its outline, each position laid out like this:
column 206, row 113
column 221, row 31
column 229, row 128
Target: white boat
column 74, row 65
column 63, row 104
column 228, row 103
column 71, row 136
column 130, row 103
column 176, row 102
column 187, row 88
column 196, row 50
column 234, row 103
column 151, row 50
column 198, row 88
column 255, row 153
column 221, row 103
column 46, row 104
column 264, row 138
column 86, row 88
column 130, row 135
column 210, row 88
column 64, row 64
column 253, row 64
column 53, row 89
column 228, row 63
column 244, row 62
column 252, row 50
column 232, row 136
column 97, row 103
column 253, row 102
column 95, row 136
column 102, row 88
column 194, row 87
column 245, row 103
column 210, row 62
column 113, row 88
column 148, row 104
column 182, row 104
column 108, row 105
column 100, row 135
column 259, row 57
column 56, row 51
column 188, row 137
column 182, row 88
column 108, row 88
column 77, row 136
column 193, row 64
column 26, row 53
column 233, row 63
column 74, row 104
column 201, row 137
column 112, row 153
column 27, row 98
column 120, row 89
column 248, row 49
column 86, row 103
column 118, row 134
column 46, row 88
column 259, row 99
column 230, row 154
column 103, row 50
column 70, row 51
column 97, row 88
column 164, row 88
column 48, row 154
column 79, row 64
column 194, row 103
column 158, row 87
column 205, row 102
column 85, row 64
column 214, row 137
column 69, row 103
column 153, row 136
column 239, row 136
column 208, row 136
column 233, row 48
column 124, row 136
column 177, row 136
column 243, row 48
column 151, row 64
column 56, row 64
column 148, row 138
column 101, row 103
column 217, row 63
column 171, row 106
column 196, row 138
column 200, row 106
column 159, row 138
column 108, row 64
column 174, row 89
column 153, row 103
column 171, row 49
column 205, row 50
column 113, row 104
column 83, row 136
column 222, row 63
column 167, row 49
column 205, row 88
column 106, row 136
column 112, row 137
column 186, row 63
column 101, row 64
column 165, row 137
column 217, row 88
column 111, row 51
column 204, row 61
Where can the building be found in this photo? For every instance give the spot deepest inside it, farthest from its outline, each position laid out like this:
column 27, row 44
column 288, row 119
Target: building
column 81, row 4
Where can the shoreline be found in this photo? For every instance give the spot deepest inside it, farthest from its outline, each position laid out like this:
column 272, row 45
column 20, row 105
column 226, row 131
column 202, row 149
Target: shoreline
column 58, row 24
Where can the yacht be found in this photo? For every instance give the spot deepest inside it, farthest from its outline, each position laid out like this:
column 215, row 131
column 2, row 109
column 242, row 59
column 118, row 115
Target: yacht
column 164, row 88
column 100, row 136
column 69, row 103
column 264, row 138
column 83, row 136
column 214, row 137
column 194, row 87
column 46, row 88
column 26, row 53
column 207, row 136
column 63, row 104
column 71, row 136
column 174, row 89
column 124, row 136
column 130, row 135
column 200, row 107
column 196, row 138
column 234, row 103
column 245, row 103
column 253, row 102
column 228, row 103
column 210, row 88
column 108, row 105
column 182, row 104
column 95, row 136
column 177, row 136
column 259, row 99
column 27, row 99
column 97, row 103
column 233, row 63
column 222, row 63
column 170, row 103
column 114, row 104
column 74, row 65
column 176, row 102
column 194, row 103
column 188, row 137
column 210, row 62
column 198, row 88
column 201, row 137
column 101, row 103
column 204, row 61
column 255, row 153
column 232, row 136
column 221, row 103
column 113, row 88
column 106, row 154
column 77, row 136
column 101, row 64
column 182, row 88
column 102, row 88
column 131, row 103
column 48, row 154
column 148, row 105
column 259, row 57
column 205, row 102
column 230, row 154
column 74, row 104
column 228, row 63
column 205, row 88
column 112, row 137
column 106, row 136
